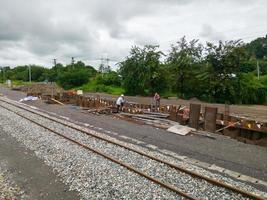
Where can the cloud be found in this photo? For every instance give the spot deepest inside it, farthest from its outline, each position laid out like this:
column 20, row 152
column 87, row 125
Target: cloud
column 36, row 31
column 210, row 34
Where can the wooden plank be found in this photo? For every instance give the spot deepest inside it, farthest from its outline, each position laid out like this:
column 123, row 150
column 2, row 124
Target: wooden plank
column 57, row 101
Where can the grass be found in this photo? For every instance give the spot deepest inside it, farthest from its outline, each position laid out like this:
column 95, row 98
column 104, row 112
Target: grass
column 17, row 83
column 167, row 94
column 92, row 86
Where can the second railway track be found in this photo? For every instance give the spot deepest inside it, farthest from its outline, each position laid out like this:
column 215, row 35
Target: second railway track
column 166, row 174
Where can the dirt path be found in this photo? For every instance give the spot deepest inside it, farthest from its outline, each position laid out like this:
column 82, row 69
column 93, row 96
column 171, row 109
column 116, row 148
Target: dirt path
column 29, row 176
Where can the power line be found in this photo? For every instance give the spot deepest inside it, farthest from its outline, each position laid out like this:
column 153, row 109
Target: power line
column 104, row 65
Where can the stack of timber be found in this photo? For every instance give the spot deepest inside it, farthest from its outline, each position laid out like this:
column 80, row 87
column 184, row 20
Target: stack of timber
column 158, row 120
column 103, row 110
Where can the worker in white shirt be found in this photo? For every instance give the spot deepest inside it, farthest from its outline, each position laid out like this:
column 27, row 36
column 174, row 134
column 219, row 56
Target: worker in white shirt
column 120, row 101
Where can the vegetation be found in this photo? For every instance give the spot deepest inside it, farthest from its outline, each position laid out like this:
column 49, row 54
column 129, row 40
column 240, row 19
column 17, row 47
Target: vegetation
column 142, row 72
column 226, row 71
column 93, row 86
column 223, row 72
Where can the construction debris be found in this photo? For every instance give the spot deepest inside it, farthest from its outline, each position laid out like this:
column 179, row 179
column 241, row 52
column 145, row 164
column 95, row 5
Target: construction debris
column 230, row 125
column 57, row 101
column 29, row 98
column 180, row 130
column 106, row 111
column 157, row 114
column 201, row 118
column 154, row 119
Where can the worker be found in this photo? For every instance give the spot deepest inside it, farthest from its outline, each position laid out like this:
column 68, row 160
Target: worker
column 157, row 101
column 120, row 101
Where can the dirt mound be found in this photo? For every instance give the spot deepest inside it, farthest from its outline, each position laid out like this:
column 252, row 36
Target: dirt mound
column 41, row 88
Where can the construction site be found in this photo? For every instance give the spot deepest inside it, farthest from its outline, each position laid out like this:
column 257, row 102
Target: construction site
column 247, row 124
column 217, row 150
column 133, row 100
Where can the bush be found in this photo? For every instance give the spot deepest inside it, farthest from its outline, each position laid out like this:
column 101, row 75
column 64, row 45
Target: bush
column 110, row 78
column 71, row 79
column 252, row 90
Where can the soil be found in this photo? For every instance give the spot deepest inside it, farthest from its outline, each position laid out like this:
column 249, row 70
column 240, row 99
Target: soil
column 40, row 88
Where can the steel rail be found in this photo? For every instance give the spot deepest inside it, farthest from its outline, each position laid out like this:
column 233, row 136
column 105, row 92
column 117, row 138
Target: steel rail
column 194, row 174
column 111, row 158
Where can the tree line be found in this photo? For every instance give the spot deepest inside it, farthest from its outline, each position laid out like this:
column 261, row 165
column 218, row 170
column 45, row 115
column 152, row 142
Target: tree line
column 214, row 72
column 223, row 72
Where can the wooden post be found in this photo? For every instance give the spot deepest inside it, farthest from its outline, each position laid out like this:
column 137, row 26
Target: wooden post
column 210, row 119
column 194, row 115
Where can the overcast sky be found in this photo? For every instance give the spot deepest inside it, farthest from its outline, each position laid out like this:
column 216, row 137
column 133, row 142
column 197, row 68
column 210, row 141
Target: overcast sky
column 36, row 31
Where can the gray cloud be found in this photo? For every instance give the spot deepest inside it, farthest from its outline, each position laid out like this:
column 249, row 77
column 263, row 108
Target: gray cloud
column 210, row 33
column 36, row 31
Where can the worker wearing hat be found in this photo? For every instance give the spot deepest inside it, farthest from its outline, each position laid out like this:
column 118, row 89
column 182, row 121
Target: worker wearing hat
column 120, row 101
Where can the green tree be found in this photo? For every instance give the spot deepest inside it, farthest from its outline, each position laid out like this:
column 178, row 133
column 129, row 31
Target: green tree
column 58, row 72
column 73, row 78
column 38, row 73
column 73, row 75
column 140, row 71
column 253, row 91
column 54, row 73
column 224, row 67
column 257, row 48
column 109, row 78
column 4, row 71
column 181, row 60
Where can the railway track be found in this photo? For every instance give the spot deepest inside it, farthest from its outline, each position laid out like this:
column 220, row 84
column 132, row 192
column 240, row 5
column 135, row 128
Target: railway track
column 158, row 180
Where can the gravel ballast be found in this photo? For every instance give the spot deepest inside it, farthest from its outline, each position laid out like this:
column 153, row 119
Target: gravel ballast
column 92, row 175
column 75, row 165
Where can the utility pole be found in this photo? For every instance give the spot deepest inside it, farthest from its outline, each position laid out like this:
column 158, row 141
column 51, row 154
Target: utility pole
column 4, row 77
column 30, row 74
column 72, row 62
column 55, row 61
column 102, row 66
column 2, row 72
column 107, row 64
column 258, row 69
